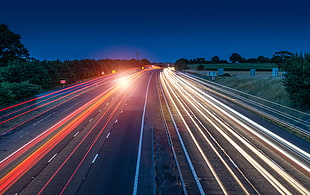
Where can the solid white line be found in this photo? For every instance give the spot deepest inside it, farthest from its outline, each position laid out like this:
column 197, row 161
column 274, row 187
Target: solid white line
column 233, row 163
column 95, row 158
column 189, row 161
column 108, row 136
column 135, row 187
column 52, row 158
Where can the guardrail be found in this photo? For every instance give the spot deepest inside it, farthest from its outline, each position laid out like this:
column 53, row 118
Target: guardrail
column 295, row 121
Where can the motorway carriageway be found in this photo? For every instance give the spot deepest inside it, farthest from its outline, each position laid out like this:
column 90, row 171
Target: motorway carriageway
column 100, row 137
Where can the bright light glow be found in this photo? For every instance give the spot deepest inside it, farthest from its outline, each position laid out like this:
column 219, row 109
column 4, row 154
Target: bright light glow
column 171, row 68
column 123, row 82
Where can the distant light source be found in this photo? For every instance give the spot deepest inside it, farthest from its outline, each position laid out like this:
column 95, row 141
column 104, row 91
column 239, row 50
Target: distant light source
column 123, row 82
column 142, row 67
column 113, row 71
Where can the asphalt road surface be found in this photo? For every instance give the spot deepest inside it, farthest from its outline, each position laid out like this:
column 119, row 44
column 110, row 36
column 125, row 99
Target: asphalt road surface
column 146, row 132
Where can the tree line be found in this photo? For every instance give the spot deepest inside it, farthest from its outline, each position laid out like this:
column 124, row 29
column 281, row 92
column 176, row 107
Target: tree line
column 237, row 58
column 22, row 77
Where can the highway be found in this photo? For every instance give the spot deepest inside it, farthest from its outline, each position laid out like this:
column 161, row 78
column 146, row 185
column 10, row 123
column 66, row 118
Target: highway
column 146, row 132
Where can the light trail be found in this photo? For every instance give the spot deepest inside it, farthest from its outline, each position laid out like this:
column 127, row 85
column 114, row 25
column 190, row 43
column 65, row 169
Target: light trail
column 189, row 161
column 86, row 89
column 265, row 173
column 259, row 107
column 190, row 114
column 76, row 91
column 23, row 159
column 222, row 108
column 170, row 142
column 46, row 95
column 87, row 152
column 10, row 178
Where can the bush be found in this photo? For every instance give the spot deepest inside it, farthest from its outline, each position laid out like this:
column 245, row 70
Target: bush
column 11, row 92
column 200, row 67
column 6, row 93
column 297, row 79
column 25, row 89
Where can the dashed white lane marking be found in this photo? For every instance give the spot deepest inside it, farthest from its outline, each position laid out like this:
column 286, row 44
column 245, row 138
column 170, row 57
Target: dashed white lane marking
column 52, row 158
column 95, row 158
column 76, row 134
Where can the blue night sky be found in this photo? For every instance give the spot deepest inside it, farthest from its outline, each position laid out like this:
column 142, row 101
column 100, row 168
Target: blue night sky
column 161, row 30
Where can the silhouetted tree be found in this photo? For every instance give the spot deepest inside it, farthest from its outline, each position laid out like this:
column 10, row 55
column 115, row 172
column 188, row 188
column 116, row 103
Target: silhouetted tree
column 10, row 46
column 280, row 57
column 236, row 58
column 145, row 62
column 297, row 79
column 284, row 54
column 251, row 60
column 181, row 64
column 215, row 59
column 262, row 59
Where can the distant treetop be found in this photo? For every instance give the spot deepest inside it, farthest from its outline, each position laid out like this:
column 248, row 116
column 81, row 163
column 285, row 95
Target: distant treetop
column 11, row 47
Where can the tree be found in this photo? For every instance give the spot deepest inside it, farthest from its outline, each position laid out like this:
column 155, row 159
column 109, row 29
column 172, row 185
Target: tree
column 297, row 79
column 284, row 55
column 262, row 59
column 201, row 67
column 251, row 60
column 181, row 64
column 236, row 58
column 145, row 62
column 10, row 46
column 281, row 56
column 215, row 59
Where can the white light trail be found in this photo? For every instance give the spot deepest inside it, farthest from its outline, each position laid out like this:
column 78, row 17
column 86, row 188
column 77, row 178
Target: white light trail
column 219, row 106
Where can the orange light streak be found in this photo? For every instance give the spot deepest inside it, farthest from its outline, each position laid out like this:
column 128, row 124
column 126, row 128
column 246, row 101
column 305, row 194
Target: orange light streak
column 71, row 123
column 16, row 173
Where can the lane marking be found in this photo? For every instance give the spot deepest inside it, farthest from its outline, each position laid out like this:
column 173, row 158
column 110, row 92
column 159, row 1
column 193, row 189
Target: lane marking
column 116, row 121
column 90, row 120
column 52, row 158
column 135, row 187
column 95, row 158
column 108, row 136
column 76, row 134
column 233, row 163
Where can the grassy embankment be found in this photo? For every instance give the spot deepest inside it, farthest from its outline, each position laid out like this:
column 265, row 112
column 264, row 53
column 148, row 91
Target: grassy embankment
column 267, row 88
column 264, row 86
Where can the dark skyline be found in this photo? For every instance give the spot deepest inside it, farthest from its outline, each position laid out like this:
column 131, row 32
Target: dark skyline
column 158, row 30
